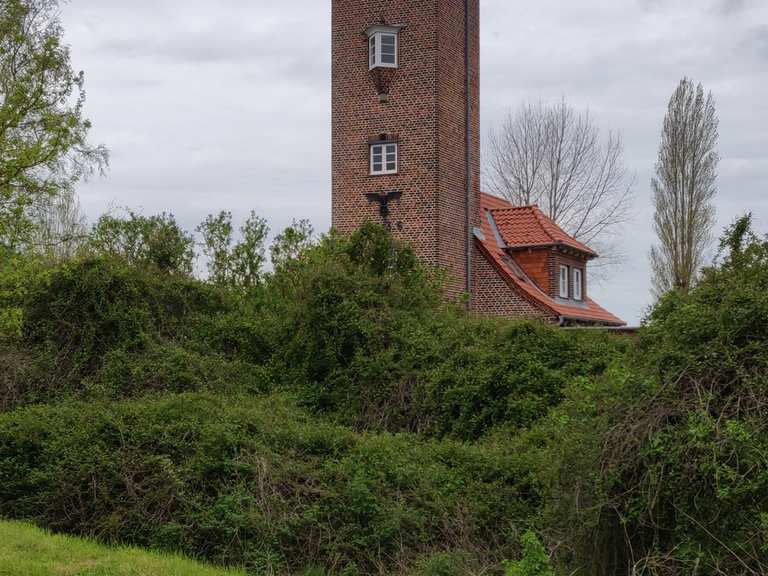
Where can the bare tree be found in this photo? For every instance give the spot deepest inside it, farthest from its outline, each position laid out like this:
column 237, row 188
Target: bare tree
column 557, row 157
column 684, row 187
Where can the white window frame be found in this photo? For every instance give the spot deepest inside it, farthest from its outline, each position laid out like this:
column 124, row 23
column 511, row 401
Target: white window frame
column 578, row 284
column 563, row 282
column 384, row 151
column 376, row 35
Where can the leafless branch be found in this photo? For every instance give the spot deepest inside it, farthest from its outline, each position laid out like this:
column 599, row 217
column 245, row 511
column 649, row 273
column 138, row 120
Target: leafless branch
column 557, row 158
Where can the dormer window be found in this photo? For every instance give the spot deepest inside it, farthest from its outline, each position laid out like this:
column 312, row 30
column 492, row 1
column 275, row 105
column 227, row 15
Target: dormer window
column 563, row 292
column 578, row 284
column 383, row 46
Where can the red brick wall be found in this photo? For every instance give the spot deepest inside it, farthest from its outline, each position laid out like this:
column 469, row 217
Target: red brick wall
column 493, row 296
column 536, row 264
column 426, row 111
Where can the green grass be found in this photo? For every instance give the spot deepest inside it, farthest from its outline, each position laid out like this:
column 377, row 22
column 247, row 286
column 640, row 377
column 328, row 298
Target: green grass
column 29, row 551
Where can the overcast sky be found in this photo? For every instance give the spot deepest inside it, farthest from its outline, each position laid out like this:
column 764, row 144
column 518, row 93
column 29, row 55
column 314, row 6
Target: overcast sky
column 226, row 105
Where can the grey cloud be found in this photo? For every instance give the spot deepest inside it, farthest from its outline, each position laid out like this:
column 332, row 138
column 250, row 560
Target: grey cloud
column 210, row 45
column 729, row 7
column 758, row 41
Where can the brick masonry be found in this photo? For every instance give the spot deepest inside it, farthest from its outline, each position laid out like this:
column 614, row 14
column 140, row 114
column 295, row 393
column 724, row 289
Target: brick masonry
column 493, row 296
column 537, row 264
column 426, row 111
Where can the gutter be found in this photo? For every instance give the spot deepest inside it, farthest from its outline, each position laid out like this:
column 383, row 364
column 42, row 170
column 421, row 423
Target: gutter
column 468, row 138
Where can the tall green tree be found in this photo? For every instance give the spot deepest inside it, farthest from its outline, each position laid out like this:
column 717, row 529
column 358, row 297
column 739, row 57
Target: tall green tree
column 44, row 146
column 234, row 264
column 684, row 187
column 156, row 241
column 288, row 246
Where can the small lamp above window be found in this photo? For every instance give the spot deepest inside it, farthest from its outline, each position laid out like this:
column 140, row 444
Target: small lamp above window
column 383, row 46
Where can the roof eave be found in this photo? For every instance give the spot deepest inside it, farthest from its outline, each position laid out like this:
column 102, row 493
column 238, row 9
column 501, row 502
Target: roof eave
column 523, row 247
column 618, row 322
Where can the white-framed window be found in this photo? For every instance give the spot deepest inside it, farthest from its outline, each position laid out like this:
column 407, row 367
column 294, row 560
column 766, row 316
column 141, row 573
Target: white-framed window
column 563, row 292
column 382, row 47
column 384, row 158
column 578, row 284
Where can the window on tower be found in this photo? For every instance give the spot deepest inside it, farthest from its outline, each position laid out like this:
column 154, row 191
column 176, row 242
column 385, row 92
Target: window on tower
column 384, row 158
column 382, row 47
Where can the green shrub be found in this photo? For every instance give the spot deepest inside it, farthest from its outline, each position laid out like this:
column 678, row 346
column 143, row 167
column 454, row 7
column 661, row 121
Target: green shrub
column 17, row 274
column 486, row 374
column 341, row 300
column 661, row 466
column 155, row 242
column 255, row 481
column 360, row 327
column 104, row 326
column 534, row 561
column 170, row 367
column 697, row 484
column 356, row 326
column 85, row 308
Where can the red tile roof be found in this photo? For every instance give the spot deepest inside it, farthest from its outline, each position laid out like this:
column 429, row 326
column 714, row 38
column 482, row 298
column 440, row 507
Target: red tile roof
column 528, row 227
column 499, row 214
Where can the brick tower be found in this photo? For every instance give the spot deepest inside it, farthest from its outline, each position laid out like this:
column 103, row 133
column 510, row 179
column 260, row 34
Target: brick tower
column 406, row 149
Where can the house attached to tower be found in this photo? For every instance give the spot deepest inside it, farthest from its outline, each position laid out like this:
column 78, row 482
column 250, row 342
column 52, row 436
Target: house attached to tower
column 406, row 151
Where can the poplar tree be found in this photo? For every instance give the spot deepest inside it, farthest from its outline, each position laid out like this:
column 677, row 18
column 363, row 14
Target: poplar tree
column 684, row 188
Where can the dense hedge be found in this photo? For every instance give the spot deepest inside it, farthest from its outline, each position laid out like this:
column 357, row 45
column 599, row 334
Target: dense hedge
column 99, row 326
column 357, row 327
column 660, row 466
column 341, row 415
column 255, row 481
column 356, row 332
column 360, row 329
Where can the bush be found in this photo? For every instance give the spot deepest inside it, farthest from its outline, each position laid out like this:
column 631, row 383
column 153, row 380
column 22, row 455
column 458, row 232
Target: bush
column 357, row 327
column 695, row 489
column 155, row 242
column 85, row 308
column 661, row 467
column 341, row 301
column 255, row 481
column 354, row 329
column 104, row 326
column 447, row 564
column 535, row 561
column 360, row 327
column 17, row 274
column 487, row 374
